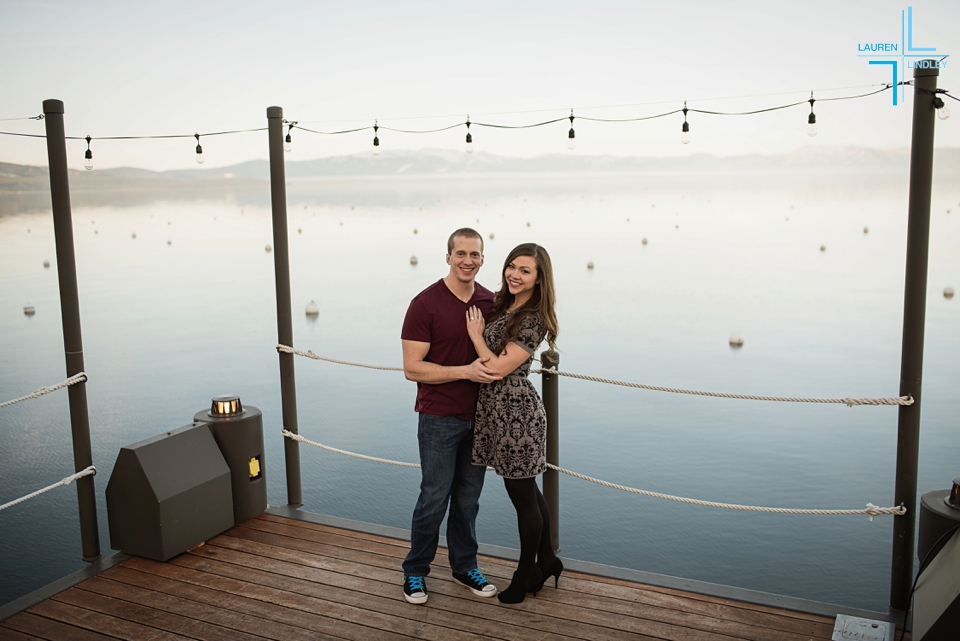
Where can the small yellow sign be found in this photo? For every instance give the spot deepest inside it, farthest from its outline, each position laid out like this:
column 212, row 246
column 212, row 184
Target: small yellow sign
column 254, row 467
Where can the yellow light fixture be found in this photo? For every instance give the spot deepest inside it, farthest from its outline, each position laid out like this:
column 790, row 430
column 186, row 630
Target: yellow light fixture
column 226, row 405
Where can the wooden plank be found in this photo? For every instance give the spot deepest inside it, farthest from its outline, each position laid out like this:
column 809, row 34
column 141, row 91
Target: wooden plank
column 458, row 599
column 97, row 622
column 575, row 596
column 182, row 616
column 570, row 616
column 299, row 529
column 356, row 597
column 354, row 623
column 9, row 634
column 767, row 621
column 45, row 629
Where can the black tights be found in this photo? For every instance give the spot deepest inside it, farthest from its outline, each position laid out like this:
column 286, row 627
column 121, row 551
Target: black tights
column 533, row 519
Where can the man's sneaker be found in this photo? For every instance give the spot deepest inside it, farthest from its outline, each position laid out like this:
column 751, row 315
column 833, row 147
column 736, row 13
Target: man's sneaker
column 414, row 590
column 477, row 583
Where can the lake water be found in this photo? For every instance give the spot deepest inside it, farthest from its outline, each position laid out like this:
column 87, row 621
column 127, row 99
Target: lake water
column 166, row 326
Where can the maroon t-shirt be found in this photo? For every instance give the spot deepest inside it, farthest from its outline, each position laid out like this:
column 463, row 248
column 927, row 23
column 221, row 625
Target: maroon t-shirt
column 438, row 317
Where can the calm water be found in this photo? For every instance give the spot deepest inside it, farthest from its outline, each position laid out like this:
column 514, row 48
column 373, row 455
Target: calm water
column 167, row 326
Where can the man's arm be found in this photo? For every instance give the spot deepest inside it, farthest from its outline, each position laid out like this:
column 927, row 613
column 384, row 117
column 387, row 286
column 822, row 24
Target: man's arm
column 421, row 371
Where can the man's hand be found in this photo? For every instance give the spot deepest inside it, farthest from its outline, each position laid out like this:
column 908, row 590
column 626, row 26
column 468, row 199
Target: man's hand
column 478, row 372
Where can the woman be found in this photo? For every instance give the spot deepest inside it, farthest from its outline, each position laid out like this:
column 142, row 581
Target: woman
column 510, row 427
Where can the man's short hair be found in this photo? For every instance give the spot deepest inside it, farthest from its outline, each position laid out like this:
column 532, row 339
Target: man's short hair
column 464, row 232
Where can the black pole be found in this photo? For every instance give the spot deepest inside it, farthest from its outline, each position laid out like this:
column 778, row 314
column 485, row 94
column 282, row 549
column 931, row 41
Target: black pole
column 914, row 314
column 551, row 478
column 281, row 264
column 70, row 317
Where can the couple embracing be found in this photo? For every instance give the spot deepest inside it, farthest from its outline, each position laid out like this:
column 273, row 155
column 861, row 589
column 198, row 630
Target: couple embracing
column 469, row 351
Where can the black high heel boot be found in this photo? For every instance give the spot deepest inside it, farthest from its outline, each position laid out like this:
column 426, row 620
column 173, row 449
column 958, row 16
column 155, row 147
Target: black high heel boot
column 524, row 580
column 553, row 571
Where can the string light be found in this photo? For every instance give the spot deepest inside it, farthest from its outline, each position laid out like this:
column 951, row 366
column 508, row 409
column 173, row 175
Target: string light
column 88, row 157
column 199, row 150
column 287, row 144
column 685, row 129
column 571, row 136
column 942, row 112
column 469, row 143
column 376, row 140
column 811, row 119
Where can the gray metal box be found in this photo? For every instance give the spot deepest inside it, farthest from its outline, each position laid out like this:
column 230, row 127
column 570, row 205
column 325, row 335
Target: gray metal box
column 169, row 493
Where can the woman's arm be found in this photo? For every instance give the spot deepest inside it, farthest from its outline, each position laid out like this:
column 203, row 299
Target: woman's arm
column 512, row 357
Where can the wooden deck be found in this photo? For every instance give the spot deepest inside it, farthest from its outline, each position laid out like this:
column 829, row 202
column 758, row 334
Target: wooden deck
column 276, row 578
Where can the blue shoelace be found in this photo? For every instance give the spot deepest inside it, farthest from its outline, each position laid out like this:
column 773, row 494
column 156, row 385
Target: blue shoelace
column 415, row 582
column 477, row 576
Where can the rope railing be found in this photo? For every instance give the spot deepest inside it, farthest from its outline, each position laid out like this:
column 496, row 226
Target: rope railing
column 849, row 402
column 871, row 510
column 73, row 380
column 67, row 481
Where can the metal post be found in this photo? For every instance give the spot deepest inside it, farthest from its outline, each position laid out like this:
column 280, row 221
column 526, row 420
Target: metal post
column 70, row 317
column 551, row 478
column 914, row 313
column 281, row 263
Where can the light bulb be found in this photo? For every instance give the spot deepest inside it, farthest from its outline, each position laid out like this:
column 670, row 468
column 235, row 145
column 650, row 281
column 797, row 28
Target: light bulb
column 812, row 125
column 468, row 146
column 943, row 113
column 571, row 140
column 88, row 156
column 287, row 146
column 199, row 150
column 376, row 140
column 685, row 133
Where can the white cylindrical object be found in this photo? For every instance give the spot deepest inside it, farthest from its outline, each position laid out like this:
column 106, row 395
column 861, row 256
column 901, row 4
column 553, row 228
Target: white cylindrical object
column 736, row 340
column 268, row 248
column 28, row 310
column 312, row 309
column 823, row 248
column 413, row 260
column 643, row 242
column 866, row 230
column 590, row 265
column 948, row 292
column 46, row 263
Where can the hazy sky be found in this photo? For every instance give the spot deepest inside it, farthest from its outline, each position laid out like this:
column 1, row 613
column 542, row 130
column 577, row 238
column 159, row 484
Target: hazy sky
column 143, row 68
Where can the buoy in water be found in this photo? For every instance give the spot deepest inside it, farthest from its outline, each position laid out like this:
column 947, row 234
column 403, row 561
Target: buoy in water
column 823, row 248
column 590, row 265
column 28, row 310
column 736, row 340
column 643, row 242
column 413, row 260
column 46, row 263
column 948, row 292
column 312, row 309
column 866, row 230
column 268, row 248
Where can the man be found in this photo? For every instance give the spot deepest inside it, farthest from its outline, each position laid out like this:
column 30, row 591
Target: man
column 439, row 356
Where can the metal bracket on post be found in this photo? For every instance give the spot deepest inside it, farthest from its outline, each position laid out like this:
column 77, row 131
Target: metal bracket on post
column 70, row 315
column 550, row 359
column 281, row 263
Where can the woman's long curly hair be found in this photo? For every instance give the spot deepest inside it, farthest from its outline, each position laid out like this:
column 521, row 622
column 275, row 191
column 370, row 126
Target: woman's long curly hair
column 543, row 299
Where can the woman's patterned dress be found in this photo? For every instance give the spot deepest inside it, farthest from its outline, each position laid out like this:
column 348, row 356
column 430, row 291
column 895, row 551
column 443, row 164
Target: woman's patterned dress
column 510, row 432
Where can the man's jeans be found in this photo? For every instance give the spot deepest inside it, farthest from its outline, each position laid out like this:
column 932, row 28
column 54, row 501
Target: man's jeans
column 447, row 476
